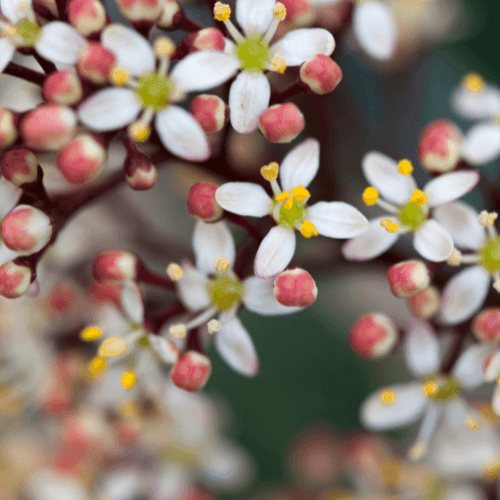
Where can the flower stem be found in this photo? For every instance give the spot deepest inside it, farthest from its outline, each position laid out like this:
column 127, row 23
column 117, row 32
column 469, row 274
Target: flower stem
column 293, row 89
column 27, row 74
column 146, row 276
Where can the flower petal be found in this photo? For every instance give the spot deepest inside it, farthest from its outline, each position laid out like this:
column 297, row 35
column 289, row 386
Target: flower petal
column 495, row 400
column 259, row 298
column 235, row 347
column 337, row 219
column 299, row 45
column 372, row 243
column 275, row 252
column 469, row 368
column 60, row 43
column 181, row 134
column 50, row 484
column 131, row 301
column 6, row 254
column 109, row 109
column 248, row 99
column 375, row 29
column 300, row 165
column 166, row 350
column 16, row 10
column 132, row 51
column 204, row 70
column 18, row 95
column 463, row 492
column 464, row 294
column 244, row 198
column 449, row 187
column 6, row 52
column 211, row 241
column 192, row 288
column 382, row 173
column 492, row 368
column 254, row 16
column 409, row 404
column 460, row 220
column 422, row 349
column 9, row 196
column 481, row 144
column 477, row 105
column 433, row 242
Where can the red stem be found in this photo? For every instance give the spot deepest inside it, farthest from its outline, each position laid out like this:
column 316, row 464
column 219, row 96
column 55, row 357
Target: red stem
column 27, row 74
column 144, row 275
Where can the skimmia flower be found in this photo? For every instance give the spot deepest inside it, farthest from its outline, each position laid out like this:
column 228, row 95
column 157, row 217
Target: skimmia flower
column 289, row 209
column 408, row 209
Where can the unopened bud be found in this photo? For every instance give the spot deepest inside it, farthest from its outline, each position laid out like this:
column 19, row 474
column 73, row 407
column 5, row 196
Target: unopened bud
column 95, row 63
column 115, row 266
column 425, row 304
column 486, row 325
column 408, row 278
column 321, row 74
column 8, row 130
column 299, row 12
column 281, row 123
column 142, row 176
column 15, row 280
column 168, row 14
column 140, row 10
column 210, row 111
column 87, row 16
column 374, row 335
column 191, row 371
column 295, row 287
column 19, row 166
column 63, row 87
column 201, row 202
column 174, row 271
column 206, row 39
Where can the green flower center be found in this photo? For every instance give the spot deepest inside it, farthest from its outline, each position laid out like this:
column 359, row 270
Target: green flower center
column 292, row 218
column 29, row 31
column 154, row 91
column 254, row 53
column 225, row 292
column 412, row 216
column 143, row 341
column 441, row 390
column 489, row 255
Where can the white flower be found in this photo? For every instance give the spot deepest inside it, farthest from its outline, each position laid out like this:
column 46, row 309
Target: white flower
column 408, row 207
column 289, row 209
column 9, row 196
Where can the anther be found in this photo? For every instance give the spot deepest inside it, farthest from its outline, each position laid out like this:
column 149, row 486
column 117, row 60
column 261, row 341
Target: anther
column 300, row 193
column 417, row 451
column 308, row 230
column 91, row 333
column 96, row 366
column 214, row 326
column 472, row 424
column 473, row 82
column 418, row 198
column 279, row 11
column 114, row 346
column 174, row 271
column 128, row 380
column 455, row 258
column 370, row 196
column 487, row 219
column 178, row 331
column 389, row 225
column 222, row 264
column 387, row 397
column 164, row 47
column 278, row 64
column 405, row 167
column 119, row 76
column 270, row 172
column 222, row 11
column 138, row 131
column 430, row 388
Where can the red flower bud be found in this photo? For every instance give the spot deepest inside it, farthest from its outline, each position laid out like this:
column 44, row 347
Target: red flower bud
column 295, row 287
column 408, row 278
column 201, row 202
column 63, row 87
column 114, row 265
column 281, row 123
column 191, row 371
column 320, row 73
column 211, row 112
column 170, row 12
column 299, row 12
column 96, row 62
column 8, row 130
column 140, row 173
column 19, row 166
column 206, row 39
column 87, row 16
column 425, row 304
column 486, row 325
column 14, row 280
column 374, row 335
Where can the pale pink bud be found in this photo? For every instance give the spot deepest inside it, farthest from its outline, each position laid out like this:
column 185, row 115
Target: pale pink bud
column 191, row 371
column 201, row 202
column 211, row 112
column 486, row 325
column 320, row 73
column 140, row 10
column 295, row 287
column 408, row 278
column 19, row 166
column 141, row 175
column 8, row 130
column 374, row 335
column 96, row 62
column 425, row 304
column 168, row 14
column 114, row 265
column 14, row 280
column 439, row 146
column 299, row 12
column 281, row 123
column 206, row 39
column 87, row 16
column 63, row 87
column 26, row 230
column 105, row 293
column 49, row 127
column 82, row 159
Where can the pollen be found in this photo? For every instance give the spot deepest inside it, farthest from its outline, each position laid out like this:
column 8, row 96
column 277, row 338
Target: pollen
column 139, row 131
column 270, row 172
column 370, row 196
column 472, row 424
column 222, row 264
column 278, row 64
column 164, row 47
column 174, row 271
column 222, row 11
column 430, row 388
column 214, row 326
column 178, row 331
column 405, row 167
column 492, row 469
column 96, row 366
column 287, row 198
column 300, row 193
column 455, row 258
column 8, row 31
column 418, row 198
column 128, row 380
column 114, row 346
column 487, row 219
column 387, row 397
column 389, row 225
column 91, row 333
column 279, row 11
column 473, row 82
column 119, row 76
column 307, row 229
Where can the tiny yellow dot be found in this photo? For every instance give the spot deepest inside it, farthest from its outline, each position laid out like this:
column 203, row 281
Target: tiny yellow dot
column 387, row 397
column 129, row 380
column 164, row 46
column 307, row 229
column 222, row 11
column 91, row 333
column 222, row 264
column 279, row 11
column 418, row 198
column 370, row 196
column 96, row 366
column 178, row 331
column 430, row 388
column 270, row 172
column 405, row 167
column 278, row 64
column 114, row 346
column 389, row 225
column 119, row 76
column 174, row 271
column 139, row 131
column 214, row 325
column 300, row 193
column 472, row 424
column 473, row 82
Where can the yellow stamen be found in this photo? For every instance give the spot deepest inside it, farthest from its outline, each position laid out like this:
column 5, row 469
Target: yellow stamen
column 389, row 225
column 487, row 219
column 430, row 388
column 270, row 172
column 278, row 64
column 91, row 333
column 307, row 229
column 387, row 397
column 129, row 380
column 417, row 451
column 9, row 31
column 473, row 82
column 455, row 258
column 492, row 469
column 405, row 167
column 164, row 47
column 138, row 131
column 214, row 326
column 114, row 346
column 222, row 264
column 472, row 424
column 418, row 198
column 287, row 198
column 119, row 76
column 300, row 193
column 370, row 196
column 279, row 11
column 222, row 11
column 174, row 271
column 96, row 366
column 178, row 331
column 128, row 409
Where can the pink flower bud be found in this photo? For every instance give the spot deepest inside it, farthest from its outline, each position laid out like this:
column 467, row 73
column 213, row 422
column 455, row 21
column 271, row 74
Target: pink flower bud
column 486, row 325
column 140, row 10
column 425, row 304
column 96, row 62
column 114, row 265
column 281, row 123
column 206, row 39
column 49, row 127
column 201, row 202
column 19, row 166
column 82, row 159
column 142, row 176
column 191, row 371
column 321, row 74
column 295, row 287
column 408, row 278
column 374, row 335
column 14, row 280
column 299, row 12
column 211, row 112
column 87, row 16
column 105, row 293
column 8, row 130
column 168, row 14
column 63, row 87
column 26, row 229
column 439, row 146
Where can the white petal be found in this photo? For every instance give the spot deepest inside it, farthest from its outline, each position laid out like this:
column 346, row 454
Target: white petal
column 244, row 198
column 131, row 301
column 211, row 241
column 382, row 173
column 375, row 29
column 132, row 51
column 109, row 109
column 449, row 187
column 464, row 294
column 460, row 220
column 254, row 16
column 337, row 219
column 433, row 242
column 422, row 349
column 477, row 105
column 229, row 47
column 60, row 43
column 259, row 298
column 275, row 252
column 181, row 134
column 300, row 165
column 166, row 350
column 18, row 95
column 9, row 196
column 299, row 45
column 491, row 368
column 372, row 243
column 204, row 70
column 6, row 52
column 469, row 368
column 6, row 254
column 235, row 347
column 248, row 99
column 481, row 144
column 16, row 10
column 463, row 492
column 409, row 403
column 48, row 484
column 495, row 400
column 193, row 288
